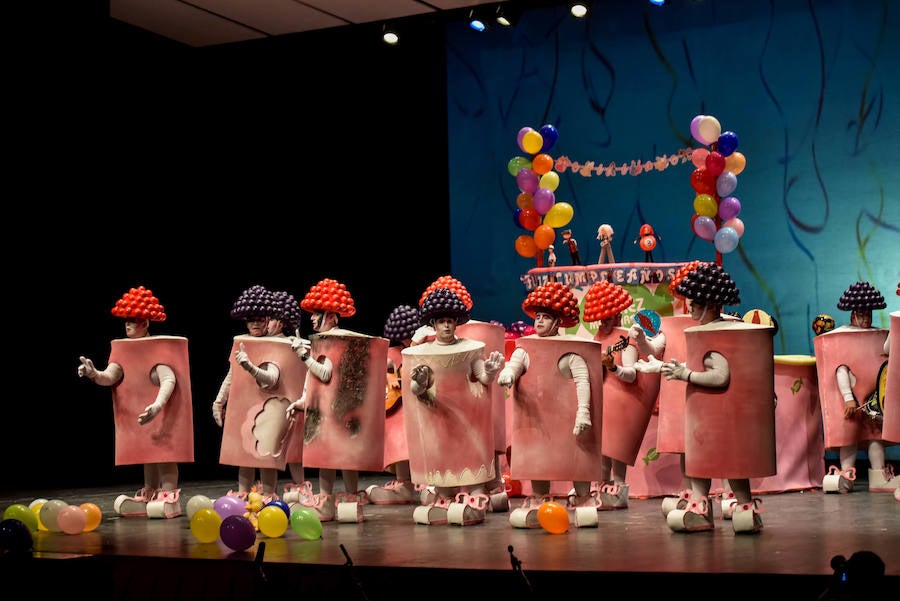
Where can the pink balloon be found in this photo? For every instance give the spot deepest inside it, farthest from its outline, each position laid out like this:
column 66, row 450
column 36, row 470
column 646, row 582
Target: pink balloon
column 521, row 135
column 729, row 207
column 705, row 227
column 71, row 519
column 736, row 224
column 543, row 200
column 527, row 180
column 698, row 157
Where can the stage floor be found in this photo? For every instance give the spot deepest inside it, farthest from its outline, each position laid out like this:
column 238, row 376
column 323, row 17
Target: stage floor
column 139, row 558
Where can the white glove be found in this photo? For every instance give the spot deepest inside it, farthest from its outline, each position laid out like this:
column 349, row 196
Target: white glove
column 651, row 365
column 150, row 411
column 637, row 332
column 582, row 420
column 218, row 409
column 242, row 359
column 506, row 377
column 297, row 406
column 301, row 347
column 493, row 363
column 675, row 370
column 86, row 369
column 422, row 333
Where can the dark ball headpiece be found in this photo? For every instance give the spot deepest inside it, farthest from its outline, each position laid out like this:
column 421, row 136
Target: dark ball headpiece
column 709, row 284
column 443, row 303
column 401, row 324
column 256, row 302
column 861, row 296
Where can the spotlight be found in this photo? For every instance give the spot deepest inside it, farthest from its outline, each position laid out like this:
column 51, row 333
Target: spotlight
column 389, row 35
column 658, row 2
column 506, row 17
column 578, row 9
column 476, row 22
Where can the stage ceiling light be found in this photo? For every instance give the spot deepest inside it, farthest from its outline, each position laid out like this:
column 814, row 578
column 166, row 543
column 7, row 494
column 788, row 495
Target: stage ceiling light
column 578, row 9
column 506, row 16
column 476, row 21
column 389, row 35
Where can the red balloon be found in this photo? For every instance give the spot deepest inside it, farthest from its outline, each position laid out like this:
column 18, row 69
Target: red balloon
column 703, row 181
column 513, row 487
column 530, row 218
column 715, row 163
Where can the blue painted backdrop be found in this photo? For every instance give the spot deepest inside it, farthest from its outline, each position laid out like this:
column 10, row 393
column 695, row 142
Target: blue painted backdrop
column 810, row 88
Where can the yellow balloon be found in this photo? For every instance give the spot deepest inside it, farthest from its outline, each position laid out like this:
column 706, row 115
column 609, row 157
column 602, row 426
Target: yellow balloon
column 705, row 204
column 36, row 508
column 559, row 214
column 272, row 520
column 550, row 180
column 205, row 525
column 532, row 142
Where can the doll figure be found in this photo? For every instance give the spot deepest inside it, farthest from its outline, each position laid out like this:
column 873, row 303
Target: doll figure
column 605, row 236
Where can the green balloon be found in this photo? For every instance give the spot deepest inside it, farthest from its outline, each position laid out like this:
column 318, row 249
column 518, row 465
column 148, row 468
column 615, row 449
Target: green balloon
column 18, row 511
column 306, row 523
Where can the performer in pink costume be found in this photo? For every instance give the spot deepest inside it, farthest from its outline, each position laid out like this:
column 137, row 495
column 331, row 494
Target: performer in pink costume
column 400, row 327
column 449, row 424
column 343, row 402
column 628, row 396
column 551, row 378
column 160, row 434
column 263, row 377
column 730, row 404
column 892, row 388
column 848, row 360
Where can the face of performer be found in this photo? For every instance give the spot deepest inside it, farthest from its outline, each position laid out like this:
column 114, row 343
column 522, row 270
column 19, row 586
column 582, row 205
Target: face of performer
column 607, row 324
column 274, row 327
column 704, row 313
column 545, row 324
column 322, row 321
column 444, row 329
column 861, row 319
column 256, row 326
column 136, row 328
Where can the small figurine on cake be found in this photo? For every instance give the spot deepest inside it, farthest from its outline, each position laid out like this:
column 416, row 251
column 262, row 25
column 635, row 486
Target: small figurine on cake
column 848, row 361
column 569, row 241
column 647, row 238
column 152, row 407
column 605, row 236
column 551, row 256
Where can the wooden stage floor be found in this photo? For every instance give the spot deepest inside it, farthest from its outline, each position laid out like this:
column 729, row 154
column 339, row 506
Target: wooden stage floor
column 632, row 551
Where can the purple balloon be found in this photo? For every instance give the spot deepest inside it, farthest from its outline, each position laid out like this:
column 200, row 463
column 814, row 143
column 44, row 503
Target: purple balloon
column 550, row 135
column 229, row 505
column 527, row 180
column 705, row 227
column 726, row 183
column 237, row 533
column 729, row 207
column 521, row 135
column 544, row 199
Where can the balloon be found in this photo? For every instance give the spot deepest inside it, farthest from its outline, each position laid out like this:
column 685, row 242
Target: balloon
column 553, row 517
column 229, row 505
column 728, row 143
column 272, row 521
column 532, row 142
column 736, row 224
column 521, row 136
column 513, row 487
column 36, row 509
column 702, row 181
column 544, row 236
column 49, row 512
column 559, row 214
column 530, row 219
column 735, row 162
column 704, row 227
column 527, row 180
column 237, row 532
column 195, row 503
column 698, row 157
column 715, row 163
column 19, row 511
column 542, row 163
column 517, row 218
column 516, row 164
column 695, row 130
column 15, row 537
column 282, row 506
column 525, row 246
column 709, row 129
column 729, row 207
column 205, row 524
column 71, row 519
column 93, row 516
column 306, row 524
column 704, row 204
column 525, row 200
column 549, row 135
column 543, row 200
column 550, row 180
column 726, row 183
column 726, row 240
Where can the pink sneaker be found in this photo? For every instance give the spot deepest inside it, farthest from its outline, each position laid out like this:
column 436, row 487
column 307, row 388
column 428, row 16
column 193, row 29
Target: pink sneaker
column 133, row 506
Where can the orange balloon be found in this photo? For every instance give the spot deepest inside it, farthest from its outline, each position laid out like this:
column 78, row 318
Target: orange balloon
column 735, row 162
column 553, row 517
column 544, row 235
column 529, row 219
column 525, row 200
column 94, row 516
column 542, row 163
column 525, row 246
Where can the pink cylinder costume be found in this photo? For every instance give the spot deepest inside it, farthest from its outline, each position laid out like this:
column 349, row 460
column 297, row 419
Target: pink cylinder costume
column 891, row 427
column 544, row 405
column 626, row 407
column 494, row 338
column 451, row 443
column 395, row 446
column 255, row 427
column 170, row 436
column 670, row 433
column 344, row 427
column 730, row 432
column 861, row 350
